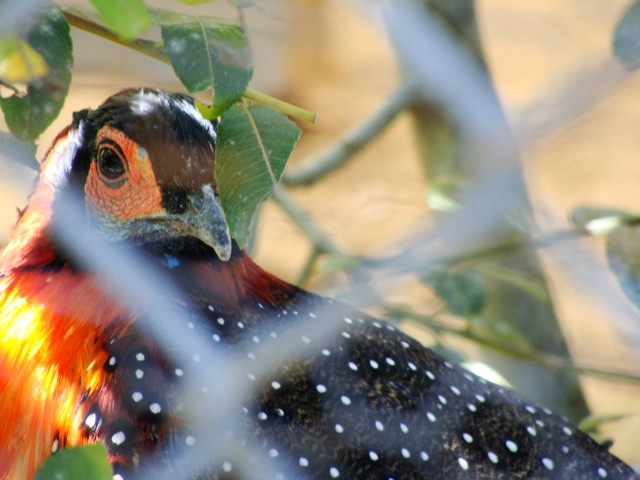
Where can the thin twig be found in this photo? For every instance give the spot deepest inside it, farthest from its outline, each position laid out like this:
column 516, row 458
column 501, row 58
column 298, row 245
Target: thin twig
column 307, row 268
column 146, row 47
column 317, row 166
column 318, row 238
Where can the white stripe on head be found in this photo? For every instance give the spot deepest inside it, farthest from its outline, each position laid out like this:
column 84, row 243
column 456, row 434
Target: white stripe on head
column 194, row 113
column 55, row 171
column 148, row 100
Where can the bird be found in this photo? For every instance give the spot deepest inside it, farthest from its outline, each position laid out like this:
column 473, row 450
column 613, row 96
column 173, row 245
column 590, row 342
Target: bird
column 343, row 395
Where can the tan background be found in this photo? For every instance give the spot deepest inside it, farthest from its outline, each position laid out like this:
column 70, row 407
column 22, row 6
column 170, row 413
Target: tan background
column 333, row 57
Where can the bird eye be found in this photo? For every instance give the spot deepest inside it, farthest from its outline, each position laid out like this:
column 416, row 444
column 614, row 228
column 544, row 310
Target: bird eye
column 110, row 163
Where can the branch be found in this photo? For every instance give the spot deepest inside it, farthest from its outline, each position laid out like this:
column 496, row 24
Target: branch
column 319, row 165
column 146, row 47
column 307, row 268
column 284, row 107
column 321, row 242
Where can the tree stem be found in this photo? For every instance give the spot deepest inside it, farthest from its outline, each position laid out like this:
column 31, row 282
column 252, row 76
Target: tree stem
column 320, row 165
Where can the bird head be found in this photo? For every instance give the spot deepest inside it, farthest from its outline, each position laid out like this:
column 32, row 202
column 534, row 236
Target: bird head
column 143, row 164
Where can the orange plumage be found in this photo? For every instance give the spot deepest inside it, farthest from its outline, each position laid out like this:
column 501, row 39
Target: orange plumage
column 48, row 335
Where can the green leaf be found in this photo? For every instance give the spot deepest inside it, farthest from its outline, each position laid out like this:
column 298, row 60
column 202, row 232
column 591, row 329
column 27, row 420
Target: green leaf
column 626, row 37
column 622, row 233
column 593, row 422
column 19, row 62
column 17, row 151
column 206, row 52
column 623, row 255
column 29, row 115
column 522, row 280
column 126, row 18
column 252, row 149
column 462, row 291
column 600, row 220
column 89, row 462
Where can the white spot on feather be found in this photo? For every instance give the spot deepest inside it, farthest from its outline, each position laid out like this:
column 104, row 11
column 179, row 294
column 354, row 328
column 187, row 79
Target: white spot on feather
column 118, row 438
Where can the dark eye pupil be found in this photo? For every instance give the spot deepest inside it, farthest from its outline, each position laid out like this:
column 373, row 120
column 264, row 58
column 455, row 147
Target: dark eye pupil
column 110, row 164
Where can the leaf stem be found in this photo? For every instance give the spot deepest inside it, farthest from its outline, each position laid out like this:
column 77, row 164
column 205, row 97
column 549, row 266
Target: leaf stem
column 155, row 50
column 284, row 107
column 323, row 163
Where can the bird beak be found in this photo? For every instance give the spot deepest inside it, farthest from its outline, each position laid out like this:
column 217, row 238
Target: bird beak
column 204, row 219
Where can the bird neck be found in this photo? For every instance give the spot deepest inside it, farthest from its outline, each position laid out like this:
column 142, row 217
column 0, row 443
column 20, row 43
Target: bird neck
column 30, row 243
column 230, row 283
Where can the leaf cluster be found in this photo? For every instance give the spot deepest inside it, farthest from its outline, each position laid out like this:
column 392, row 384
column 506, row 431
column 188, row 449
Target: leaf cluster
column 207, row 54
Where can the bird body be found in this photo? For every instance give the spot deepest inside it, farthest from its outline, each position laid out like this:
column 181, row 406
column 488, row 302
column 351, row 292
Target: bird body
column 306, row 388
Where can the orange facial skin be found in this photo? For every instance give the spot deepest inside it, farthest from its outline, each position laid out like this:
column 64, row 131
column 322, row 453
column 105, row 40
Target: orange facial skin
column 134, row 195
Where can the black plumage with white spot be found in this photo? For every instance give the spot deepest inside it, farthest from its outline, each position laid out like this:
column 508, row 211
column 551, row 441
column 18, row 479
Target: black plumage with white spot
column 356, row 400
column 330, row 393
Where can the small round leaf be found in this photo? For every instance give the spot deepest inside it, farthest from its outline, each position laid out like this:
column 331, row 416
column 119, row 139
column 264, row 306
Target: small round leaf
column 626, row 38
column 89, row 462
column 462, row 291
